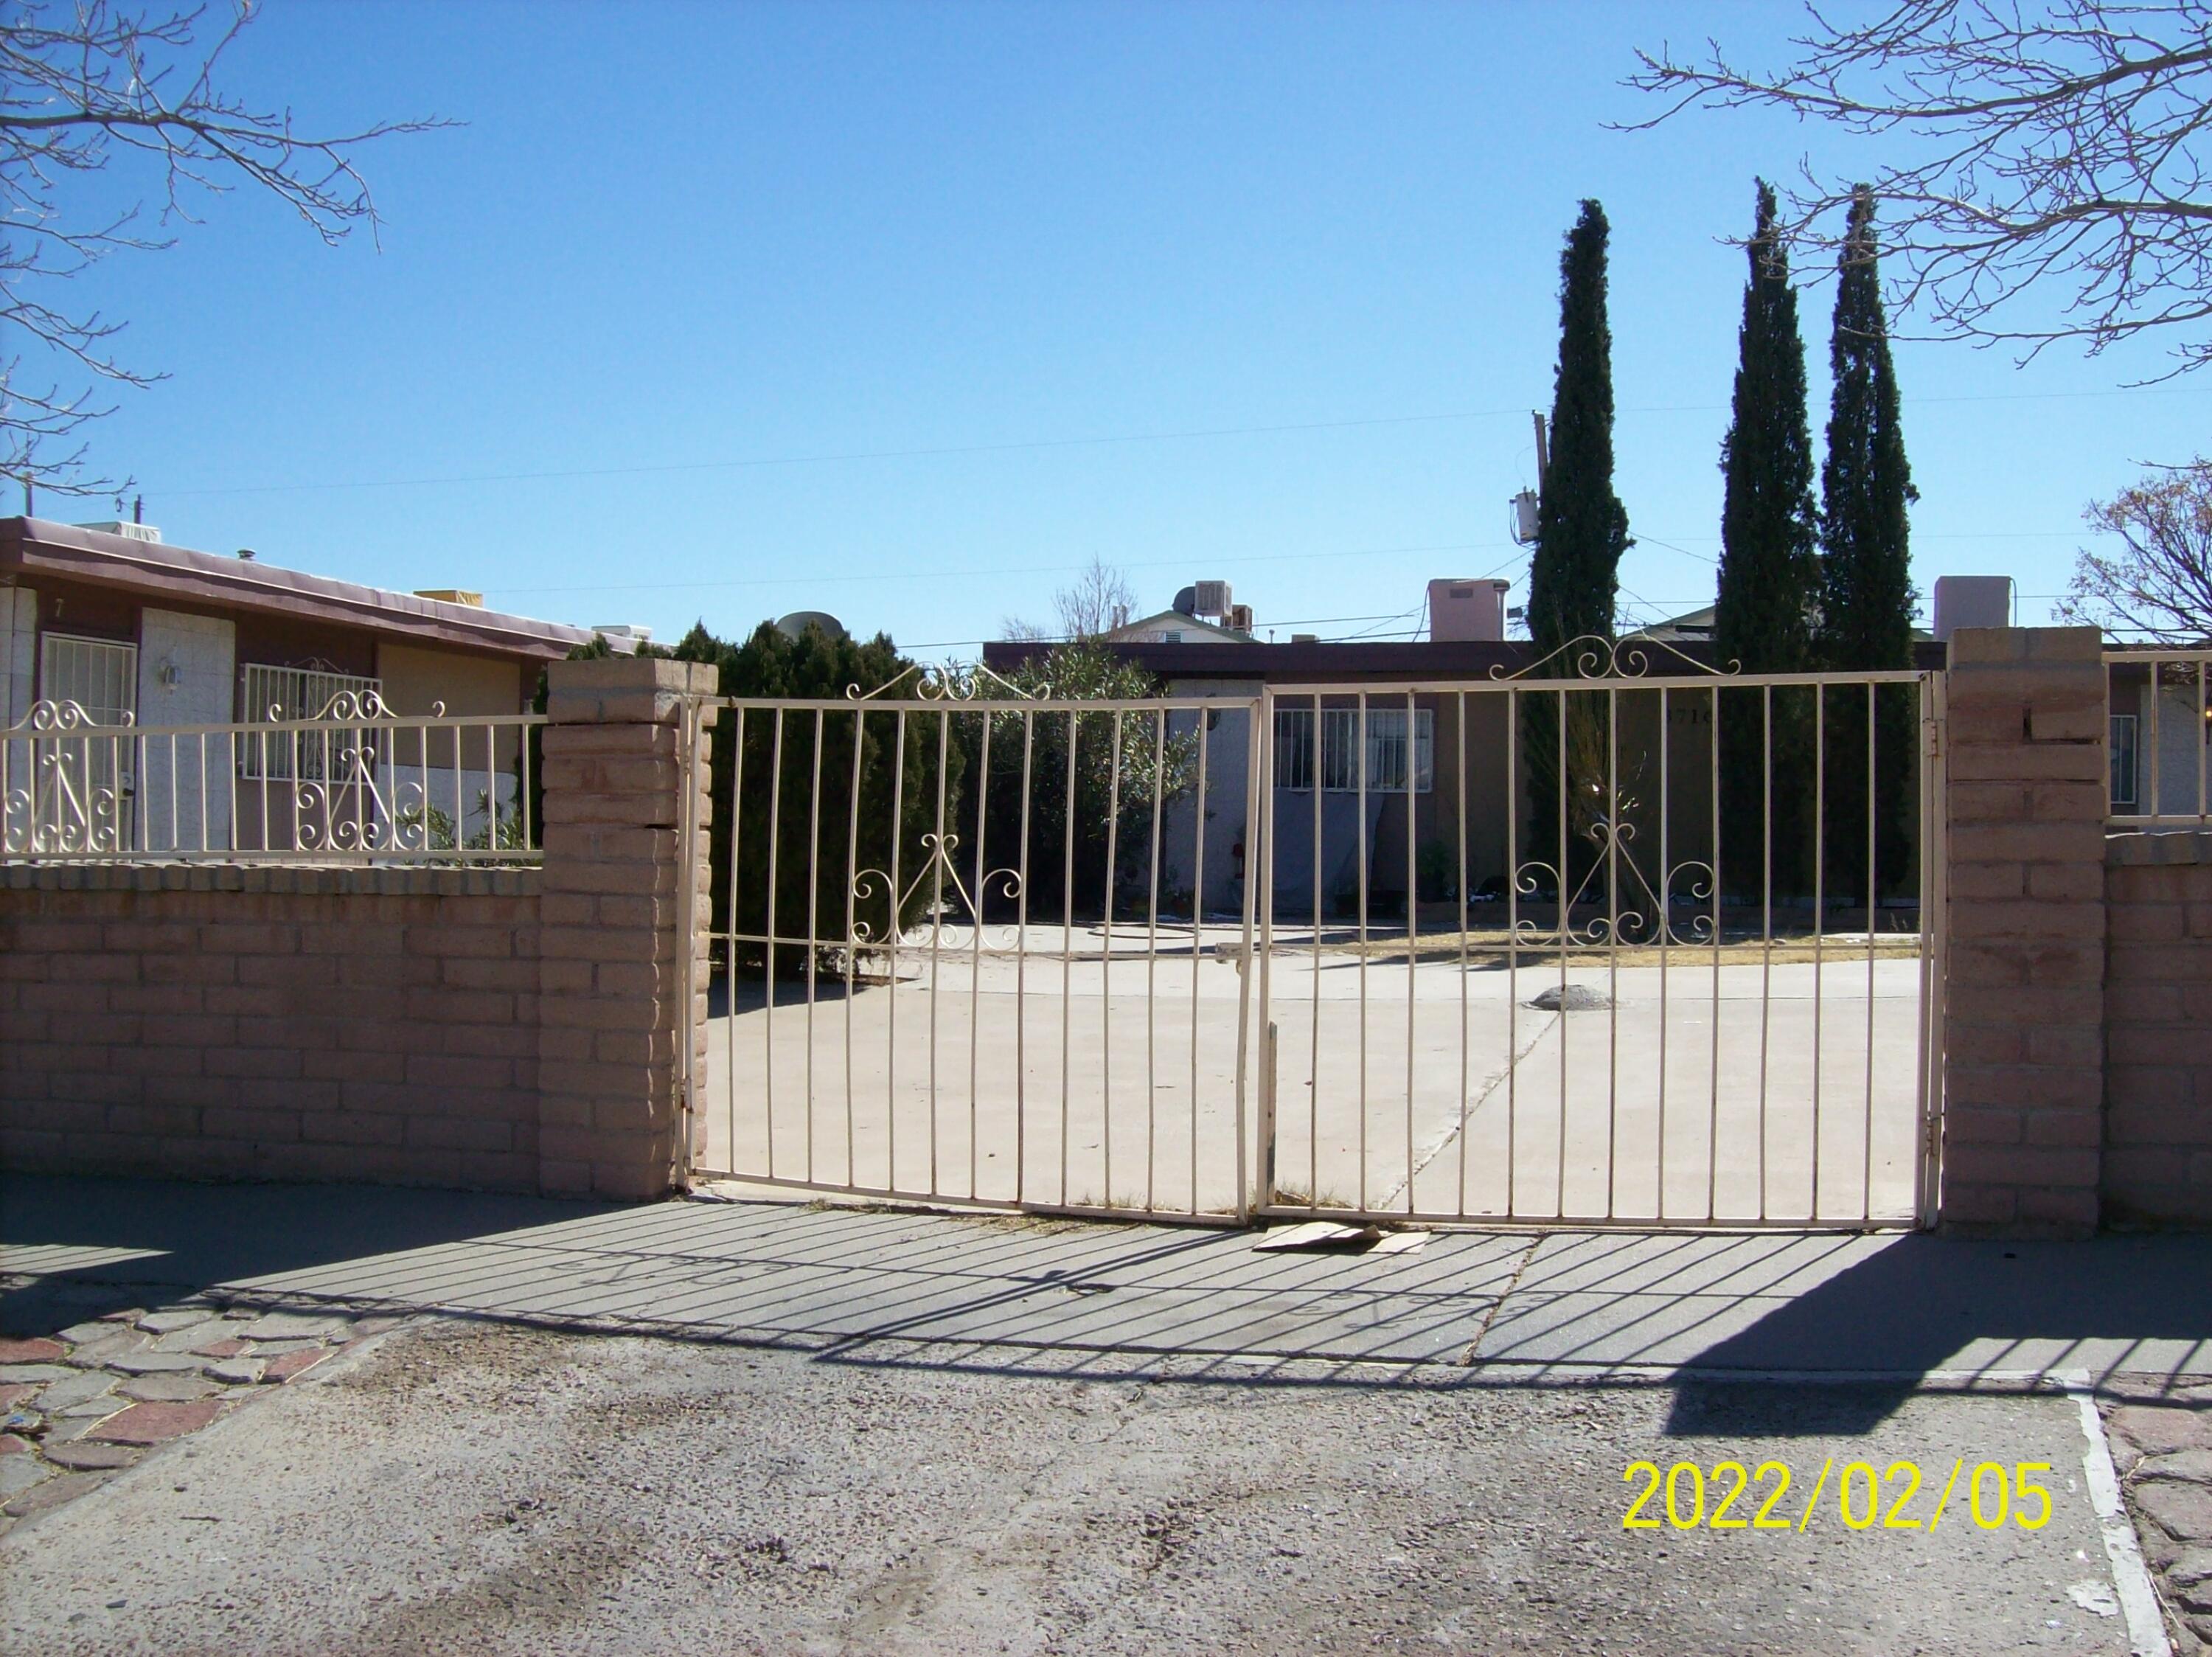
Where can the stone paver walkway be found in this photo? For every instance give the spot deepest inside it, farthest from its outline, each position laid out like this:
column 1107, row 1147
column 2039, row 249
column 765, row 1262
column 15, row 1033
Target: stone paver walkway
column 79, row 1404
column 2161, row 1440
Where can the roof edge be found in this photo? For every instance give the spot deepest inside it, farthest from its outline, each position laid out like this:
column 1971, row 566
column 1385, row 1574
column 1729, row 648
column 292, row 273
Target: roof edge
column 36, row 544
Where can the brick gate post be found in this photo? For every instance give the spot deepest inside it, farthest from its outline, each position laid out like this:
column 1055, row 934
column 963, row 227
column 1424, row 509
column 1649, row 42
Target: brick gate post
column 613, row 1015
column 2025, row 752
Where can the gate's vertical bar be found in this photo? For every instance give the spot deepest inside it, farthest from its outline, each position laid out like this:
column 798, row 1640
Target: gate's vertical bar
column 852, row 951
column 940, row 854
column 1512, row 944
column 1564, row 904
column 768, row 950
column 1197, row 925
column 1259, row 893
column 1152, row 957
column 688, row 727
column 1318, row 775
column 1413, row 939
column 1106, row 967
column 1067, row 952
column 1359, row 753
column 1666, row 926
column 813, row 922
column 1021, row 969
column 1612, row 945
column 1713, row 1104
column 976, row 950
column 1819, row 912
column 893, row 925
column 1934, row 896
column 1765, row 919
column 730, row 942
column 1866, row 1172
column 1459, row 810
column 521, row 736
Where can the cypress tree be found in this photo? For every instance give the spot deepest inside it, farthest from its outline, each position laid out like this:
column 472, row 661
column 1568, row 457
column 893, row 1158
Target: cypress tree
column 1866, row 588
column 1769, row 583
column 1582, row 530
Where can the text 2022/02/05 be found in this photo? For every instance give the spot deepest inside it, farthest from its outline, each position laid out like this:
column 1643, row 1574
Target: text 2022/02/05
column 1732, row 1496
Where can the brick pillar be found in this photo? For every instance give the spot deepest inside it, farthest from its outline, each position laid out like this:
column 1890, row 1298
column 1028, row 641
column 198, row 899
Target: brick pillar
column 611, row 1008
column 2026, row 782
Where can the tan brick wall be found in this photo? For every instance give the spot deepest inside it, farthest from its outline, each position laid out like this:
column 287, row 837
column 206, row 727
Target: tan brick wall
column 2158, row 1034
column 2025, row 781
column 355, row 1024
column 615, row 1017
column 510, row 1029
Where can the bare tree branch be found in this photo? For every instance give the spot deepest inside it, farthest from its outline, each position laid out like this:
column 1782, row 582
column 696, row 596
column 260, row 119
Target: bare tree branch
column 2156, row 584
column 86, row 84
column 2061, row 146
column 1100, row 600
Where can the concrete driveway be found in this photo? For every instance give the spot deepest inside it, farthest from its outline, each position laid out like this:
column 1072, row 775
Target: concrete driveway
column 1079, row 1071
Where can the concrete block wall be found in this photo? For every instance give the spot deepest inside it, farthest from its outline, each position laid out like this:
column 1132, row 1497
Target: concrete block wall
column 515, row 1029
column 372, row 1024
column 614, row 1015
column 2026, row 785
column 2158, row 1030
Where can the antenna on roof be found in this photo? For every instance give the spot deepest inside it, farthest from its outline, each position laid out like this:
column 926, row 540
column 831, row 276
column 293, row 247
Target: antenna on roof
column 138, row 509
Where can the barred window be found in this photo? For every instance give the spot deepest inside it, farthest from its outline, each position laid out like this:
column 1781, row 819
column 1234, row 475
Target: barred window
column 1338, row 762
column 276, row 695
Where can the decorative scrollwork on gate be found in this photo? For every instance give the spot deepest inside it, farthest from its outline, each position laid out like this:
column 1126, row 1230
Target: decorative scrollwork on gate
column 870, row 885
column 1623, row 923
column 75, row 802
column 951, row 682
column 1594, row 656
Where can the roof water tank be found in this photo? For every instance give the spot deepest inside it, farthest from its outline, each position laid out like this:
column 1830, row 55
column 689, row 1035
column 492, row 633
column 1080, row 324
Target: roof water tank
column 796, row 623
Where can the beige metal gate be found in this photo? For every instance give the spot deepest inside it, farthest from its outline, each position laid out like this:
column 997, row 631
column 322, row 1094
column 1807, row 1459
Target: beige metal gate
column 1305, row 953
column 1634, row 949
column 987, row 950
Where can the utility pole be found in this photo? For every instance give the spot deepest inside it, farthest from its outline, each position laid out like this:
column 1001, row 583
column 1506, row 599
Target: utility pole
column 1543, row 460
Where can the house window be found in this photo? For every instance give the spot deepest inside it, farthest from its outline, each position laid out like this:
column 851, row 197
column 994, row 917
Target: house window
column 1338, row 762
column 2123, row 761
column 275, row 696
column 100, row 677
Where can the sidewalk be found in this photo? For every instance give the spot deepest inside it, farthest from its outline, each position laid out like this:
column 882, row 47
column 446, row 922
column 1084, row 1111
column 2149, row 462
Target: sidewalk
column 1034, row 1290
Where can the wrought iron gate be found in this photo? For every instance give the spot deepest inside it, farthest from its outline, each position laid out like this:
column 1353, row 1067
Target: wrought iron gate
column 987, row 949
column 1620, row 948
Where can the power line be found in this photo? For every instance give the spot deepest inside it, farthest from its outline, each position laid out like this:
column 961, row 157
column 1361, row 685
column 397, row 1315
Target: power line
column 1012, row 569
column 955, row 450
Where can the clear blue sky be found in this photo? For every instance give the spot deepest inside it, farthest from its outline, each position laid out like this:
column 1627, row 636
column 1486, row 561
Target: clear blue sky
column 905, row 311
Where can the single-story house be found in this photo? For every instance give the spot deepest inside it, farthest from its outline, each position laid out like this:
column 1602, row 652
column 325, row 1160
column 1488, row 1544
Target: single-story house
column 1318, row 784
column 137, row 632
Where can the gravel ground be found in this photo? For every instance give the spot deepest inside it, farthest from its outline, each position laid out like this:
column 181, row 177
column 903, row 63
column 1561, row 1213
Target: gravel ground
column 467, row 1488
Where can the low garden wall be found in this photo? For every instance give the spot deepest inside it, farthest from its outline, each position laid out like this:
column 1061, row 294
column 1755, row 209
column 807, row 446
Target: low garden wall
column 374, row 1024
column 2158, row 1029
column 508, row 1028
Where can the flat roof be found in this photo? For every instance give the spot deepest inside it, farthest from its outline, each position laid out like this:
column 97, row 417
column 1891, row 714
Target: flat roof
column 32, row 547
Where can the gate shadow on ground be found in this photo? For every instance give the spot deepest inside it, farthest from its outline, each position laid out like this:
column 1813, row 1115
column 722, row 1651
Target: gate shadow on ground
column 1058, row 1297
column 1911, row 1309
column 74, row 1248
